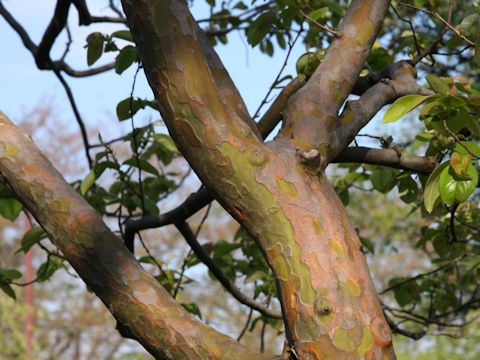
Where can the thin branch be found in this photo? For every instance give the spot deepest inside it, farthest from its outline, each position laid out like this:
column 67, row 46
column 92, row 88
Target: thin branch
column 358, row 113
column 244, row 329
column 428, row 273
column 78, row 117
column 291, row 44
column 321, row 26
column 54, row 28
column 189, row 207
column 441, row 19
column 387, row 157
column 52, row 65
column 274, row 114
column 185, row 261
column 229, row 285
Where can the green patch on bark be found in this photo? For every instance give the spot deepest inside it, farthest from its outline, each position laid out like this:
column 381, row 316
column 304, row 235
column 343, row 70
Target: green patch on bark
column 267, row 218
column 317, row 228
column 366, row 342
column 364, row 33
column 342, row 340
column 286, row 187
column 337, row 246
column 10, row 150
column 351, row 287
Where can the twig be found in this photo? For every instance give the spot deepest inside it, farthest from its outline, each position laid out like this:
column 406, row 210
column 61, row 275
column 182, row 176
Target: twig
column 185, row 261
column 78, row 117
column 321, row 26
column 441, row 19
column 229, row 285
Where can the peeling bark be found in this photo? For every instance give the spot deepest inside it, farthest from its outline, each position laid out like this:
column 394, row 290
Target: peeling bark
column 138, row 302
column 330, row 307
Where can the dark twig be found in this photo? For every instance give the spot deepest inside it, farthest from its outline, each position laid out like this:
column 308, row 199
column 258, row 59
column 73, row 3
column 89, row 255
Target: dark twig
column 422, row 275
column 51, row 65
column 229, row 285
column 185, row 261
column 387, row 157
column 244, row 329
column 78, row 117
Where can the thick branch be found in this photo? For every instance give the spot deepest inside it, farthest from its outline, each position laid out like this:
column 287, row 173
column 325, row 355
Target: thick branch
column 313, row 110
column 387, row 157
column 358, row 113
column 135, row 298
column 274, row 114
column 229, row 285
column 198, row 101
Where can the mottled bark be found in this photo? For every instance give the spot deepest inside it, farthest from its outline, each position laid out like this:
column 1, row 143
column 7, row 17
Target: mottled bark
column 136, row 299
column 311, row 119
column 330, row 306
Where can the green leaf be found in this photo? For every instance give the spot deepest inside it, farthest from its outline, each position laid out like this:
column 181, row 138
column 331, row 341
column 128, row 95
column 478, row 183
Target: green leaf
column 9, row 274
column 432, row 192
column 223, row 247
column 437, row 84
column 402, row 106
column 470, row 26
column 125, row 58
column 123, row 34
column 383, row 179
column 7, row 289
column 129, row 107
column 467, row 147
column 454, row 190
column 408, row 189
column 318, row 14
column 476, row 57
column 94, row 47
column 192, row 308
column 368, row 244
column 87, row 182
column 32, row 237
column 402, row 296
column 10, row 208
column 142, row 164
column 260, row 28
column 48, row 268
column 166, row 143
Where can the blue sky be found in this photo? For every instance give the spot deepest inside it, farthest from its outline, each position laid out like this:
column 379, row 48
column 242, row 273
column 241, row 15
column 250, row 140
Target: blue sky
column 24, row 86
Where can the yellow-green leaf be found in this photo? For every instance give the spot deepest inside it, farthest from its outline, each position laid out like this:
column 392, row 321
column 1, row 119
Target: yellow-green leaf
column 402, row 106
column 87, row 182
column 431, row 192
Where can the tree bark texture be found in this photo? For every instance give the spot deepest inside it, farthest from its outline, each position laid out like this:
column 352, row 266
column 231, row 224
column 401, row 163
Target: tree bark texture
column 138, row 302
column 330, row 307
column 276, row 190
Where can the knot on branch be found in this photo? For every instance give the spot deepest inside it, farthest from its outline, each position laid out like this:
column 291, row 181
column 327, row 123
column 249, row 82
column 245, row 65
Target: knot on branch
column 312, row 159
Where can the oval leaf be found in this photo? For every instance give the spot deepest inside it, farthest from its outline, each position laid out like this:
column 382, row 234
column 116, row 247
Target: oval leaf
column 402, row 106
column 431, row 192
column 10, row 208
column 454, row 190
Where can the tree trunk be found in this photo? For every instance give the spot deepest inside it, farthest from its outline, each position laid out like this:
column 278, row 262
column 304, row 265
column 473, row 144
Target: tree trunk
column 328, row 300
column 277, row 191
